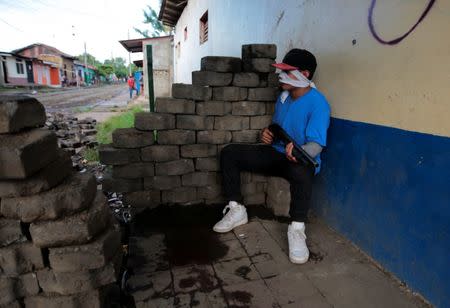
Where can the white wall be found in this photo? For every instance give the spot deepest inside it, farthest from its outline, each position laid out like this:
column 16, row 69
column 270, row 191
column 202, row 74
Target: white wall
column 162, row 66
column 403, row 86
column 12, row 69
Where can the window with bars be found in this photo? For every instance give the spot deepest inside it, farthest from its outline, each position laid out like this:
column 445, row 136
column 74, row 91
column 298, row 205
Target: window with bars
column 19, row 67
column 178, row 49
column 204, row 28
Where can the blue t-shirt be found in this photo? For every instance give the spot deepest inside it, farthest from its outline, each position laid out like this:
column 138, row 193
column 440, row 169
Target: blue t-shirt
column 305, row 119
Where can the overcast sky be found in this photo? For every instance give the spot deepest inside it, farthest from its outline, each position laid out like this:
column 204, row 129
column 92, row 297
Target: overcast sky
column 67, row 24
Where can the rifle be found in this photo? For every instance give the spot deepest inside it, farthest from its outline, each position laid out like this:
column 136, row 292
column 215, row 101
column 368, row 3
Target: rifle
column 298, row 152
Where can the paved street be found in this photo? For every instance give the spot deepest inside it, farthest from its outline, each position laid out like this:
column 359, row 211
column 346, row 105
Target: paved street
column 179, row 262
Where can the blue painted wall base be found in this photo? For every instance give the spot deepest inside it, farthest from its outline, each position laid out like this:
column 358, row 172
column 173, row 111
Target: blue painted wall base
column 388, row 191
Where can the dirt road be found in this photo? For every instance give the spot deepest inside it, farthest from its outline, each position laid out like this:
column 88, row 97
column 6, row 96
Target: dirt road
column 84, row 99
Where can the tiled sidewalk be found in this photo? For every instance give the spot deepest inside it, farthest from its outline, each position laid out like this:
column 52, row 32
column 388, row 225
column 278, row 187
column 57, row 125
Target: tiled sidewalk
column 187, row 265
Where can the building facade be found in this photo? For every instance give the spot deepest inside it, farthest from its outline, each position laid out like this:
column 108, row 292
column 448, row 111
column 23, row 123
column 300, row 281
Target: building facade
column 49, row 54
column 15, row 70
column 161, row 62
column 386, row 169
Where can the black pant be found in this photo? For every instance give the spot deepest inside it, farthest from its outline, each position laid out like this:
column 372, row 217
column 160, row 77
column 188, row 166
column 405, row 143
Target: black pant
column 268, row 161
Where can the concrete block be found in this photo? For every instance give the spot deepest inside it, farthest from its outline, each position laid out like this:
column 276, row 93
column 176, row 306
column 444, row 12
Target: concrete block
column 246, row 80
column 245, row 108
column 66, row 283
column 209, row 192
column 176, row 167
column 207, row 164
column 195, row 122
column 246, row 177
column 255, row 199
column 121, row 185
column 72, row 230
column 131, row 138
column 162, row 182
column 259, row 51
column 207, row 78
column 221, row 64
column 278, row 196
column 95, row 254
column 143, row 199
column 231, row 123
column 10, row 232
column 45, row 179
column 159, row 153
column 153, row 121
column 270, row 108
column 259, row 178
column 201, row 93
column 176, row 137
column 229, row 94
column 20, row 258
column 268, row 80
column 181, row 90
column 174, row 105
column 217, row 108
column 18, row 112
column 259, row 65
column 221, row 200
column 273, row 80
column 260, row 122
column 180, row 195
column 23, row 154
column 133, row 171
column 198, row 150
column 213, row 136
column 252, row 187
column 246, row 136
column 110, row 155
column 12, row 288
column 199, row 179
column 263, row 94
column 74, row 194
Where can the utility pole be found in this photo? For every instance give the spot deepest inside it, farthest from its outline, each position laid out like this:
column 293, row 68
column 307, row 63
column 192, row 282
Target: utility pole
column 85, row 63
column 129, row 57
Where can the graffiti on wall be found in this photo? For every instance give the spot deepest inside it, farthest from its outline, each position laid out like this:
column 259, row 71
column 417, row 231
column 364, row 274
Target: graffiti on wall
column 400, row 38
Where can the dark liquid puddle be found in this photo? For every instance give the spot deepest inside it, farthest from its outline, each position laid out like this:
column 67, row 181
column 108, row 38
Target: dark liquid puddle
column 188, row 230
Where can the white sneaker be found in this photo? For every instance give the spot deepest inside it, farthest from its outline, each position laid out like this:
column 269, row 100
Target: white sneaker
column 298, row 251
column 236, row 216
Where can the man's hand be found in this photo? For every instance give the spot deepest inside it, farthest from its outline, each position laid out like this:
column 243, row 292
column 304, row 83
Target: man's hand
column 289, row 148
column 266, row 136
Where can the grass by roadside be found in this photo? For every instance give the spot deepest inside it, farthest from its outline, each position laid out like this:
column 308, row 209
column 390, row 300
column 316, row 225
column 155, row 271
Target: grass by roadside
column 123, row 120
column 105, row 130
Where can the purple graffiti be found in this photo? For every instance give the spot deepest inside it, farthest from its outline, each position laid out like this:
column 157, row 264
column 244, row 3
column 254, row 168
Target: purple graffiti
column 400, row 38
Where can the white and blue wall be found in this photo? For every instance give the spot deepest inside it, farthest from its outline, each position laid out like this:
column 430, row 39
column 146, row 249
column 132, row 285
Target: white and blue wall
column 385, row 182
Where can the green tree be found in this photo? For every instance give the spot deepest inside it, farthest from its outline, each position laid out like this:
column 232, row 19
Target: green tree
column 157, row 27
column 91, row 60
column 119, row 66
column 105, row 70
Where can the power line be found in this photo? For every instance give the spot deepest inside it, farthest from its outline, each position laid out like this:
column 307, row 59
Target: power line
column 14, row 27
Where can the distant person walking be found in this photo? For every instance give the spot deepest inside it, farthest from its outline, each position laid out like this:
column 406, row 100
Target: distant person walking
column 131, row 85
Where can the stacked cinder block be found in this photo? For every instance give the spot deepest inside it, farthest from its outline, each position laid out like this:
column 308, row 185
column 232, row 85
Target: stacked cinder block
column 58, row 244
column 229, row 101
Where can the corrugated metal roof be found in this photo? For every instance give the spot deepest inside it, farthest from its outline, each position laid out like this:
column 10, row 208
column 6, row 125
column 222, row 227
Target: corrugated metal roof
column 171, row 11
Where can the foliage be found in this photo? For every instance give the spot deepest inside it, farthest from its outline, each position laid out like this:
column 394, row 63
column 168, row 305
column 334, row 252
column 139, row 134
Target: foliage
column 91, row 154
column 157, row 27
column 105, row 70
column 124, row 120
column 119, row 66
